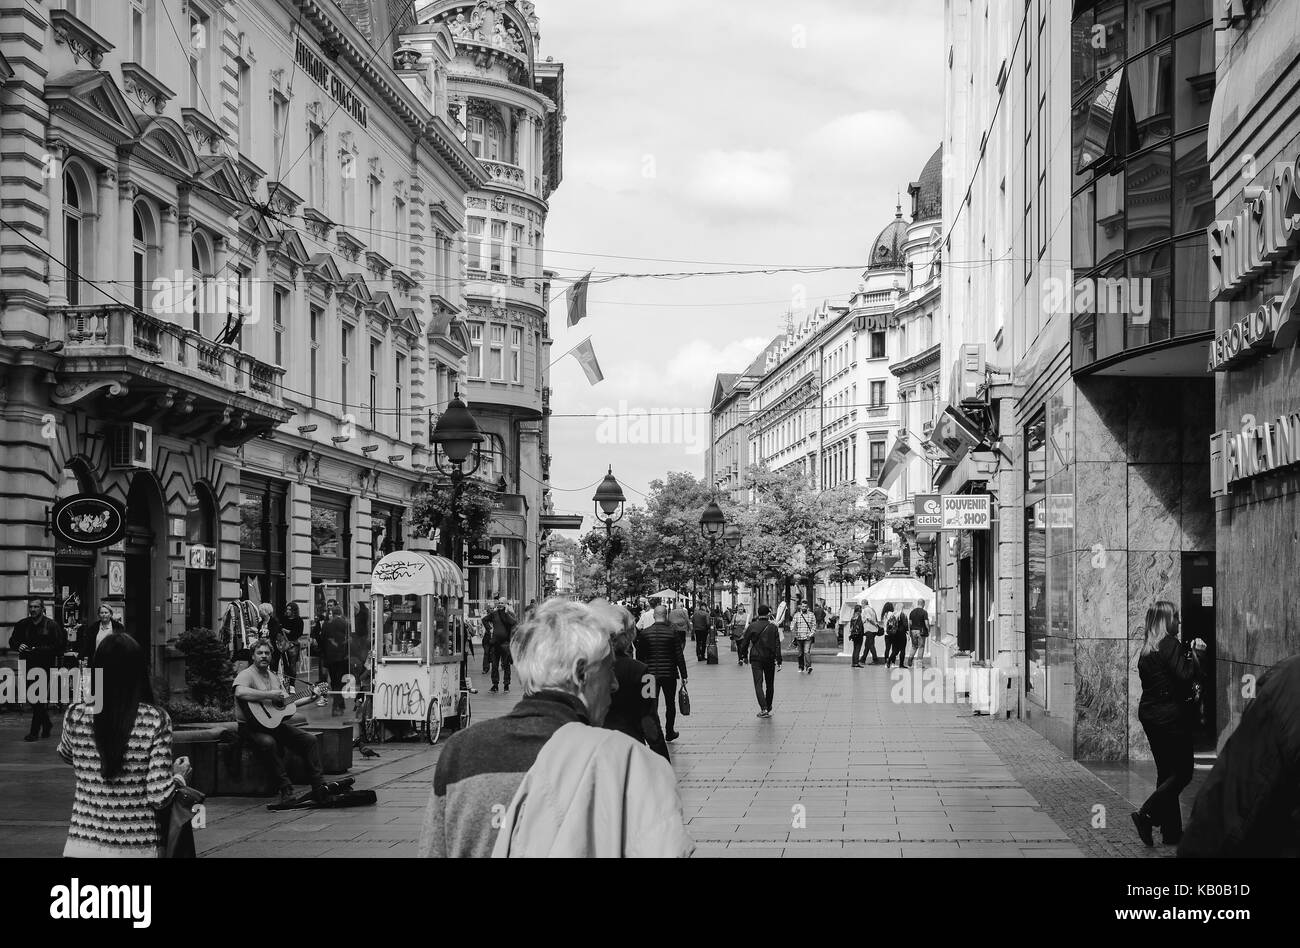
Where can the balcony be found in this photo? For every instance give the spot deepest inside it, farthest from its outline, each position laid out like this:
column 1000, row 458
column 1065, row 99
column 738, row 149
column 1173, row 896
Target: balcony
column 504, row 173
column 147, row 369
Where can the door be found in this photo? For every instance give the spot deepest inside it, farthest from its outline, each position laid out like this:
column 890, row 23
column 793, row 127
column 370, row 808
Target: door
column 138, row 607
column 1197, row 611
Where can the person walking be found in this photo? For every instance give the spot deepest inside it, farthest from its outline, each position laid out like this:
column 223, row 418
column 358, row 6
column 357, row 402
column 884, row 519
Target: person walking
column 122, row 757
column 38, row 640
column 871, row 629
column 761, row 640
column 819, row 613
column 292, row 625
column 857, row 631
column 633, row 709
column 660, row 648
column 95, row 631
column 918, row 621
column 334, row 654
column 700, row 630
column 1169, row 671
column 502, row 622
column 805, row 632
column 889, row 622
column 738, row 623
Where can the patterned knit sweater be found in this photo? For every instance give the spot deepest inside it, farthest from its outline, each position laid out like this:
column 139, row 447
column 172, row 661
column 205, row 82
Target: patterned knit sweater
column 118, row 818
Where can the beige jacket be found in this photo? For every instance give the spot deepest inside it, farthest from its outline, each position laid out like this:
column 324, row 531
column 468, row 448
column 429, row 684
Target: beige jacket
column 594, row 793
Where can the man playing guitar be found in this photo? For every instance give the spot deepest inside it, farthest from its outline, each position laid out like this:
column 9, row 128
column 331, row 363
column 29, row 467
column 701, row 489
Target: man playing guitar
column 261, row 699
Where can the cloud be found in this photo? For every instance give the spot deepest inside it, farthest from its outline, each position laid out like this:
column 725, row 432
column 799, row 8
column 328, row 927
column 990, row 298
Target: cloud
column 742, row 182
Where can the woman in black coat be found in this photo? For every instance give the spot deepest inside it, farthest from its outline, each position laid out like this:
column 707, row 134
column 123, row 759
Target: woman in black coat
column 631, row 710
column 1169, row 671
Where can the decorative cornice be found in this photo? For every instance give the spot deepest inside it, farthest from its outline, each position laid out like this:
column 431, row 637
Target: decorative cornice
column 282, row 199
column 147, row 88
column 202, row 130
column 250, row 174
column 83, row 41
column 918, row 361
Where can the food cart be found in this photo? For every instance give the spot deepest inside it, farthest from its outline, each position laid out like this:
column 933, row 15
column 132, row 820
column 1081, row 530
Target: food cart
column 419, row 648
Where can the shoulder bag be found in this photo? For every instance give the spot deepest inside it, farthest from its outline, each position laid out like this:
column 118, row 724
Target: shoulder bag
column 684, row 701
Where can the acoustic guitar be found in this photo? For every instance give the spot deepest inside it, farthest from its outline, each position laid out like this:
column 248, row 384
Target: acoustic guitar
column 271, row 714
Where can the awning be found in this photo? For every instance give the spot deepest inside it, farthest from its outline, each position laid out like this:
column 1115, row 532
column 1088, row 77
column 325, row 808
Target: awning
column 561, row 521
column 410, row 573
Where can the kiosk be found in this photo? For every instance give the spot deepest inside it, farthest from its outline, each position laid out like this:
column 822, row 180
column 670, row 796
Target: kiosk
column 419, row 677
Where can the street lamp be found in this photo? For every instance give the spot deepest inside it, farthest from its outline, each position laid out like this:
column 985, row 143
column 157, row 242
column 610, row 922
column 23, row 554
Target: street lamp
column 713, row 524
column 608, row 502
column 733, row 538
column 458, row 435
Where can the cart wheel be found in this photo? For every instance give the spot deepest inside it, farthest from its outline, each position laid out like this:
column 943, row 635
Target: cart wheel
column 463, row 711
column 433, row 721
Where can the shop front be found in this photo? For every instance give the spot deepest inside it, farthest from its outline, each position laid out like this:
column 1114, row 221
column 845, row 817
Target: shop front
column 1254, row 277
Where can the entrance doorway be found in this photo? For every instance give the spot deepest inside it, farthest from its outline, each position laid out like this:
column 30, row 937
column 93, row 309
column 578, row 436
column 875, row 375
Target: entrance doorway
column 1197, row 611
column 142, row 609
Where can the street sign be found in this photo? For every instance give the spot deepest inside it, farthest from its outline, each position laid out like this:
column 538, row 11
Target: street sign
column 967, row 512
column 929, row 512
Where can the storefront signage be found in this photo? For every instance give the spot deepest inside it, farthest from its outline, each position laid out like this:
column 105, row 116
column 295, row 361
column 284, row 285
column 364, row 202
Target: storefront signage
column 339, row 88
column 90, row 521
column 40, row 574
column 929, row 512
column 1254, row 451
column 966, row 511
column 1265, row 329
column 198, row 556
column 876, row 322
column 1264, row 229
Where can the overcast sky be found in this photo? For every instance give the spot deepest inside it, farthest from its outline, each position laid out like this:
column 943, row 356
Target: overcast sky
column 758, row 133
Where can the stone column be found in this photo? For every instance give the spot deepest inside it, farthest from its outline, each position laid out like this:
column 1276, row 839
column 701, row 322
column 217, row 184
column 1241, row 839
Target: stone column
column 184, row 257
column 125, row 245
column 108, row 236
column 58, row 285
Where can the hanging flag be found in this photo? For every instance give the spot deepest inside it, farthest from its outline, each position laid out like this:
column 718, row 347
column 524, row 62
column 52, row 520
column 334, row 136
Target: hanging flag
column 585, row 353
column 578, row 300
column 894, row 464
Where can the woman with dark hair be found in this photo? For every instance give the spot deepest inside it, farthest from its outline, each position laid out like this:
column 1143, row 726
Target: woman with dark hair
column 120, row 745
column 1169, row 671
column 889, row 622
column 293, row 627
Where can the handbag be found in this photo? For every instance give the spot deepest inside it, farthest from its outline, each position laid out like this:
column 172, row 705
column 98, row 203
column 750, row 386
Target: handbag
column 177, row 835
column 684, row 702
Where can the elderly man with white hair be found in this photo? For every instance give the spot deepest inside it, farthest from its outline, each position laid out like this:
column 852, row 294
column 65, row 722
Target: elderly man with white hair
column 592, row 792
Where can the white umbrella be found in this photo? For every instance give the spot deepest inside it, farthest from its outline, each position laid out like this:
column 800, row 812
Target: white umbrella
column 664, row 594
column 904, row 592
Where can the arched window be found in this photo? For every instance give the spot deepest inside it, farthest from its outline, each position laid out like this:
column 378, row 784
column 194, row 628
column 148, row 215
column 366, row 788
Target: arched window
column 139, row 259
column 73, row 236
column 201, row 265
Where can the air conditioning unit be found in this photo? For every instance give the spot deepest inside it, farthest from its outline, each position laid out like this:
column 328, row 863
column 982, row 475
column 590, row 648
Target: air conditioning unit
column 968, row 375
column 131, row 447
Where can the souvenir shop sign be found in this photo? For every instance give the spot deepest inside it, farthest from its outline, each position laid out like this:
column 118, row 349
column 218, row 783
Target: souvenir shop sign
column 967, row 512
column 90, row 521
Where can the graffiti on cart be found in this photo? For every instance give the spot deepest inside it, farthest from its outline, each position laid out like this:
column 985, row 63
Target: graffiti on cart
column 400, row 701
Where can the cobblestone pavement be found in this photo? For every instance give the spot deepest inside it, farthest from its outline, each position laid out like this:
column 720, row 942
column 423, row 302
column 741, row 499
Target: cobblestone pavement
column 840, row 769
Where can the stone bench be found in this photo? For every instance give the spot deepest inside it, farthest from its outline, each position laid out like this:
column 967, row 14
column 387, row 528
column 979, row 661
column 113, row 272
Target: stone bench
column 225, row 766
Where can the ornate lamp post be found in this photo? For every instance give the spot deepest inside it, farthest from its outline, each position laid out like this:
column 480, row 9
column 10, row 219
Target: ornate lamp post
column 713, row 523
column 733, row 538
column 458, row 435
column 608, row 502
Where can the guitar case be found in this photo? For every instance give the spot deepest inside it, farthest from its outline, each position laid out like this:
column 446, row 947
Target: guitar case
column 338, row 793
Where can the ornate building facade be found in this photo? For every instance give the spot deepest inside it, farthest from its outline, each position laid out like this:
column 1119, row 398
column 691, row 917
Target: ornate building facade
column 220, row 223
column 507, row 105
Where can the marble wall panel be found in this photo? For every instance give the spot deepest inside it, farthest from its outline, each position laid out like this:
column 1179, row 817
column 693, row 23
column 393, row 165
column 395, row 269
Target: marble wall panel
column 1151, row 577
column 1101, row 699
column 1197, row 509
column 1101, row 513
column 1154, row 504
column 1100, row 420
column 1154, row 423
column 1101, row 595
column 1197, row 420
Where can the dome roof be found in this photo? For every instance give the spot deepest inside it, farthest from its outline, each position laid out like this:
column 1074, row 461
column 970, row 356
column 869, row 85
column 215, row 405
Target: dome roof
column 887, row 251
column 927, row 190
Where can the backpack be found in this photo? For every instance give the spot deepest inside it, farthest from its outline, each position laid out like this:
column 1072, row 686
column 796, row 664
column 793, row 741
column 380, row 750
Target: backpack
column 891, row 624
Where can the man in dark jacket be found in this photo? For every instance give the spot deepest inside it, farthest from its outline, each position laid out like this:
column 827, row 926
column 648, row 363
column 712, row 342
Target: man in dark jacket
column 633, row 709
column 661, row 649
column 700, row 631
column 38, row 640
column 502, row 624
column 762, row 640
column 334, row 654
column 1250, row 804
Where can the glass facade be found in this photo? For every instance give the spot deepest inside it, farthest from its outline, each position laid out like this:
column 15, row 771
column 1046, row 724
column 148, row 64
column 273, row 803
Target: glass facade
column 1142, row 79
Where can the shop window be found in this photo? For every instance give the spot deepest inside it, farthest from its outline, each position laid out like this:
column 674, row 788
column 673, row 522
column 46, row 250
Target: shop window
column 1036, row 452
column 331, row 539
column 262, row 533
column 201, row 559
